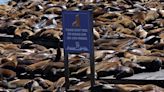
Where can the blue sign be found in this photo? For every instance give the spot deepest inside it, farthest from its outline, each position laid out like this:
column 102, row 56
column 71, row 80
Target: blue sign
column 77, row 31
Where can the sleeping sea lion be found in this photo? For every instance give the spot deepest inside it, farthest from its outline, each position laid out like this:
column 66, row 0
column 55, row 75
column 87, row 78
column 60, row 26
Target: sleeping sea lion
column 7, row 74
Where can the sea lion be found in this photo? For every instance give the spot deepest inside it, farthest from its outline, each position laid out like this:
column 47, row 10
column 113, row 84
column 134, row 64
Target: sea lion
column 23, row 33
column 126, row 22
column 136, row 67
column 105, row 68
column 152, row 40
column 33, row 85
column 98, row 11
column 18, row 83
column 159, row 22
column 39, row 65
column 45, row 84
column 138, row 88
column 96, row 34
column 141, row 33
column 151, row 15
column 53, row 9
column 83, row 85
column 139, row 17
column 26, row 44
column 123, row 71
column 6, row 74
column 155, row 31
column 9, row 62
column 10, row 46
column 125, row 31
column 151, row 63
column 20, row 89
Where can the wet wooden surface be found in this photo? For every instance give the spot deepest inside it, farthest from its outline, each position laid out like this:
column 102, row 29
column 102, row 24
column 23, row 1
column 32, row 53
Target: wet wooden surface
column 156, row 78
column 159, row 75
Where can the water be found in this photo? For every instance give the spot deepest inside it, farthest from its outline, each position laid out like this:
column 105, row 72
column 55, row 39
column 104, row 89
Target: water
column 4, row 1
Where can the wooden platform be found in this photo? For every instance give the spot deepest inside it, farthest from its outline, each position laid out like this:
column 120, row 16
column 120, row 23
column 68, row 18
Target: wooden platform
column 156, row 78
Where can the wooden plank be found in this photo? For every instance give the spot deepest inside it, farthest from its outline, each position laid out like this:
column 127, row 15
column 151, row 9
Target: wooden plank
column 156, row 78
column 133, row 81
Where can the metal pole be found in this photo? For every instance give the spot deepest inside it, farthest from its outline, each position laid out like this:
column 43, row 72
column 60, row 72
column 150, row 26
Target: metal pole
column 92, row 62
column 67, row 83
column 92, row 68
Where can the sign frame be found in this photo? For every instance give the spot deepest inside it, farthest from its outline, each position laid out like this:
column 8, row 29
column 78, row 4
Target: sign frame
column 90, row 48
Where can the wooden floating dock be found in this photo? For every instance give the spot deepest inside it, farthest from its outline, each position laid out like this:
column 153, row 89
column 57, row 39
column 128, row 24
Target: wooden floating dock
column 156, row 78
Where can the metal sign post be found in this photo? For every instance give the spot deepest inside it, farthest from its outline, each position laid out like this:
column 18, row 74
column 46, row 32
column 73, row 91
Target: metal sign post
column 78, row 38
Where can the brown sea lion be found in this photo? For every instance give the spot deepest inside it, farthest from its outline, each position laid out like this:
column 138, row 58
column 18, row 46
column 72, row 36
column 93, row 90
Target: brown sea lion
column 18, row 83
column 49, row 34
column 155, row 31
column 149, row 62
column 141, row 33
column 45, row 84
column 138, row 88
column 53, row 9
column 127, row 22
column 151, row 15
column 139, row 17
column 9, row 62
column 33, row 85
column 110, row 15
column 39, row 65
column 112, row 68
column 7, row 74
column 136, row 67
column 159, row 22
column 125, row 31
column 83, row 86
column 23, row 33
column 123, row 71
column 98, row 11
column 9, row 46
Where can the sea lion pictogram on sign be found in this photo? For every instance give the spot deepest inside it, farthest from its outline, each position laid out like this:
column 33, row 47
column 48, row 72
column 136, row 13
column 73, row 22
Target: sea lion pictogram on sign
column 76, row 23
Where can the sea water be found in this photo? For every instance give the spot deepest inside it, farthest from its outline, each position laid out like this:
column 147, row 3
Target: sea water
column 4, row 1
